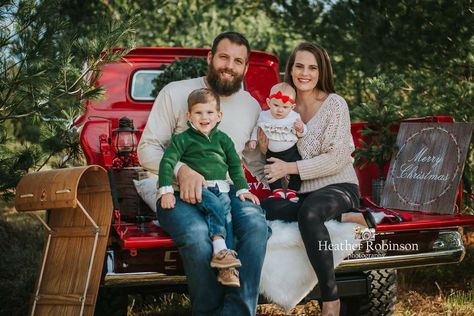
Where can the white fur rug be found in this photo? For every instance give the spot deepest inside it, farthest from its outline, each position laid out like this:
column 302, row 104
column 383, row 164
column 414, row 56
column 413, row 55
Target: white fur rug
column 287, row 275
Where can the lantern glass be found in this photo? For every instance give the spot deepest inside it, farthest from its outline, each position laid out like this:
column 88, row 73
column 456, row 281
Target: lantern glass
column 126, row 142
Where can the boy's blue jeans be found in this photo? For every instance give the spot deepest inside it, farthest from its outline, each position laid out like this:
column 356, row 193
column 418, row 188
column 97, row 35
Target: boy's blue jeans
column 215, row 206
column 190, row 232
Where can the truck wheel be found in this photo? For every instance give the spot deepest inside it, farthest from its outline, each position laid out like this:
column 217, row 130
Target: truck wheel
column 111, row 302
column 381, row 297
column 382, row 294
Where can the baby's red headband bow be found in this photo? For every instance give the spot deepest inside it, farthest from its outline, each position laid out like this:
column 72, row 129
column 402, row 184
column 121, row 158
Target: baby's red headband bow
column 282, row 97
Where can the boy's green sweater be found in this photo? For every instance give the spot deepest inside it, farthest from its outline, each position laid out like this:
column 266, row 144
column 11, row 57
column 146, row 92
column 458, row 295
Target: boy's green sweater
column 211, row 156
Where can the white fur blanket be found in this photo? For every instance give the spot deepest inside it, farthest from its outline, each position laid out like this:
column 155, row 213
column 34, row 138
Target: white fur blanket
column 287, row 275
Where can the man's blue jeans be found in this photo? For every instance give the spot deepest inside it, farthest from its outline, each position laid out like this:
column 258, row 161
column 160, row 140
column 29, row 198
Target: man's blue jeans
column 215, row 206
column 189, row 230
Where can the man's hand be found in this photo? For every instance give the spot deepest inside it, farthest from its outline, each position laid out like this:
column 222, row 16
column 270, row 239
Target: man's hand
column 252, row 144
column 299, row 126
column 249, row 196
column 262, row 141
column 190, row 185
column 168, row 201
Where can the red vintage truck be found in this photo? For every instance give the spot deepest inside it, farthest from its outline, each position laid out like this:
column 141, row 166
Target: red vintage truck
column 142, row 257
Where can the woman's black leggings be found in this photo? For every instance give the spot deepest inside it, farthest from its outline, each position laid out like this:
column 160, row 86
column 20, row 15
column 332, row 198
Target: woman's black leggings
column 312, row 210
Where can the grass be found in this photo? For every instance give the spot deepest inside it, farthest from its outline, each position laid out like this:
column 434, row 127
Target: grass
column 169, row 304
column 413, row 303
column 21, row 247
column 460, row 302
column 439, row 290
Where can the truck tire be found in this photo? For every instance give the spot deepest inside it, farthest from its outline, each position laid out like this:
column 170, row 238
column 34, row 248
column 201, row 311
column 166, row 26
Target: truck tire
column 382, row 294
column 111, row 302
column 380, row 299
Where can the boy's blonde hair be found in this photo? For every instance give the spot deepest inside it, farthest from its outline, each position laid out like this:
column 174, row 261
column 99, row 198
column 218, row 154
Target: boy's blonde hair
column 203, row 95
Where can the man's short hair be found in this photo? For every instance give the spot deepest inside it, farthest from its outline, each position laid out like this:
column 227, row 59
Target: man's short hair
column 234, row 37
column 203, row 95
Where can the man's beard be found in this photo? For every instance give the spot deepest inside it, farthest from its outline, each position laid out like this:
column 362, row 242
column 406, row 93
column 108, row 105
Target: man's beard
column 223, row 87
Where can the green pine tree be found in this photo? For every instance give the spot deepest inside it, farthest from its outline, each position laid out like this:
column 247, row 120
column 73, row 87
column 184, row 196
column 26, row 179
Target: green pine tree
column 47, row 71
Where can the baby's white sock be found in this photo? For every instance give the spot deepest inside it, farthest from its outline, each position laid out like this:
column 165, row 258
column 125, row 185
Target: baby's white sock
column 218, row 245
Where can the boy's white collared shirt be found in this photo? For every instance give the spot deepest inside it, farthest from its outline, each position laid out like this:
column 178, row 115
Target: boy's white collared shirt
column 222, row 185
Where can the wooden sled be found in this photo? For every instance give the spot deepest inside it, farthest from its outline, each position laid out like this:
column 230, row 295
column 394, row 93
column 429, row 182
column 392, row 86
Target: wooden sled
column 80, row 213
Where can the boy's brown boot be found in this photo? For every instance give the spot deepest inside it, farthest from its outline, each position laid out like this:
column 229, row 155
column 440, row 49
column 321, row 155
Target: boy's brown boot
column 225, row 258
column 229, row 277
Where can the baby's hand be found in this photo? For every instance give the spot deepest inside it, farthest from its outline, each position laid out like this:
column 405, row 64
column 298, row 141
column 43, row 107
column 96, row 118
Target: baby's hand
column 168, row 201
column 249, row 196
column 252, row 144
column 299, row 126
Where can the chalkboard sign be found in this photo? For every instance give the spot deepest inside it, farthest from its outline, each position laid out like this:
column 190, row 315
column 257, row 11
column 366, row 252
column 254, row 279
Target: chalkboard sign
column 424, row 174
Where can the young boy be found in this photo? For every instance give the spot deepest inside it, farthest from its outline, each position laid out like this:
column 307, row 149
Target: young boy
column 210, row 152
column 283, row 127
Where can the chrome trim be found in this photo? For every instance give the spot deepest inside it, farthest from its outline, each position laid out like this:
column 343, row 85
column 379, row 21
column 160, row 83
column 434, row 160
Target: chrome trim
column 449, row 240
column 403, row 261
column 156, row 72
column 142, row 279
column 110, row 259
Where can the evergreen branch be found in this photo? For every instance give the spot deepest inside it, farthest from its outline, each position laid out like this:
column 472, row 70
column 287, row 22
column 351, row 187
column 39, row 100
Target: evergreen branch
column 6, row 117
column 15, row 80
column 19, row 71
column 7, row 69
column 75, row 92
column 45, row 162
column 85, row 72
column 111, row 9
column 12, row 110
column 16, row 34
column 78, row 80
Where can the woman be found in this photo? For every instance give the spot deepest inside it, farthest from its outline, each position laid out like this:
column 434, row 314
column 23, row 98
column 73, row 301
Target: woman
column 330, row 186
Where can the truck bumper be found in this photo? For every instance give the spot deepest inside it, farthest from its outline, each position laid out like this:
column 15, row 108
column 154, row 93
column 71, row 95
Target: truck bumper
column 403, row 261
column 450, row 249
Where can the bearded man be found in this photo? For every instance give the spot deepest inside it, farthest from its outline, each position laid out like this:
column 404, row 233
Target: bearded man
column 227, row 65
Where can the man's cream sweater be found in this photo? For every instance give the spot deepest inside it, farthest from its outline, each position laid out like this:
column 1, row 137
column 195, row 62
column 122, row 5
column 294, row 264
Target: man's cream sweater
column 327, row 147
column 168, row 117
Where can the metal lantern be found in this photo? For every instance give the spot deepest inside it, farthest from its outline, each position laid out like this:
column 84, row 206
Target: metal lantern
column 124, row 139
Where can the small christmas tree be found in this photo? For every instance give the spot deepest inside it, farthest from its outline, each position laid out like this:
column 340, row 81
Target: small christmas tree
column 382, row 115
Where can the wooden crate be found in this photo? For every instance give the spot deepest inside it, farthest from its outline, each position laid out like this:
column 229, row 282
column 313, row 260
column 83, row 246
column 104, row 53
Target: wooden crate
column 131, row 204
column 80, row 214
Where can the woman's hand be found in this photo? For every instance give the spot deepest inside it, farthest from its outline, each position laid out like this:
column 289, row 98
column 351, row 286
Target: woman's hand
column 278, row 168
column 262, row 140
